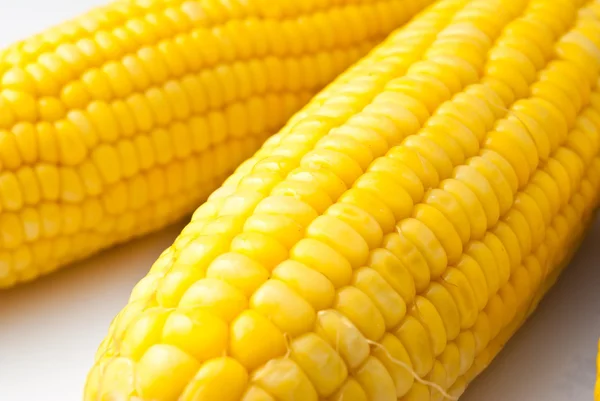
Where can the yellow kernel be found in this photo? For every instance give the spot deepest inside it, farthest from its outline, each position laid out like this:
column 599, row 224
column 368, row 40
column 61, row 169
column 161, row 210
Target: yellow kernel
column 22, row 260
column 324, row 259
column 416, row 341
column 255, row 340
column 359, row 220
column 430, row 318
column 48, row 178
column 376, row 381
column 482, row 188
column 393, row 272
column 26, row 140
column 22, row 104
column 402, row 174
column 285, row 380
column 197, row 332
column 71, row 148
column 388, row 191
column 50, row 216
column 104, row 121
column 31, row 224
column 128, row 158
column 357, row 307
column 286, row 309
column 17, row 79
column 162, row 145
column 391, row 306
column 509, row 300
column 11, row 195
column 142, row 113
column 390, row 353
column 255, row 393
column 458, row 285
column 221, row 378
column 320, row 361
column 75, row 95
column 163, row 372
column 505, row 147
column 239, row 271
column 304, row 192
column 51, row 109
column 282, row 228
column 72, row 218
column 451, row 360
column 82, row 122
column 96, row 83
column 341, row 237
column 442, row 228
column 71, row 187
column 417, row 163
column 313, row 286
column 262, row 248
column 496, row 310
column 347, row 145
column 410, row 257
column 298, row 210
column 106, row 160
column 426, row 243
column 11, row 230
column 46, row 139
column 341, row 333
column 213, row 295
column 10, row 155
column 350, row 391
column 115, row 198
column 470, row 204
column 141, row 333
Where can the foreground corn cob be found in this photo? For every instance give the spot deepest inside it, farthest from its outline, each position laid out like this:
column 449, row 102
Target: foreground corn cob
column 123, row 120
column 398, row 230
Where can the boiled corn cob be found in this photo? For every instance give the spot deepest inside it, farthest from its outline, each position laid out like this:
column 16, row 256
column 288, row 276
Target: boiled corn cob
column 388, row 241
column 121, row 121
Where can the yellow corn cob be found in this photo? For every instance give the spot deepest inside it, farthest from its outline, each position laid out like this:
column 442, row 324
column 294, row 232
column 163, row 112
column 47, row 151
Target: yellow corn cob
column 123, row 120
column 405, row 222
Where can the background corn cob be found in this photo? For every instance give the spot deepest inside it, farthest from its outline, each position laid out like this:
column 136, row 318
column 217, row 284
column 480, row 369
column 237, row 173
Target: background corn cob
column 123, row 120
column 407, row 220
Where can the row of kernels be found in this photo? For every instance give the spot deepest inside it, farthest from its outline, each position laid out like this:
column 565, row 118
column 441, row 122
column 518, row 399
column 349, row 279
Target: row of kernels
column 532, row 275
column 514, row 297
column 538, row 270
column 195, row 93
column 74, row 231
column 174, row 54
column 63, row 143
column 95, row 20
column 64, row 185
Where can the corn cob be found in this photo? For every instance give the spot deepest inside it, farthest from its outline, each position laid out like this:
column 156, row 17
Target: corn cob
column 122, row 121
column 389, row 240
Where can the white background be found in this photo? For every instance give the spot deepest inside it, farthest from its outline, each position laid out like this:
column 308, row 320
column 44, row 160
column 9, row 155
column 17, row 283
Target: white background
column 49, row 330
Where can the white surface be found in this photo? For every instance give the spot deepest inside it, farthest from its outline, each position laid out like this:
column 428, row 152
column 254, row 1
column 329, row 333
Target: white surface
column 49, row 330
